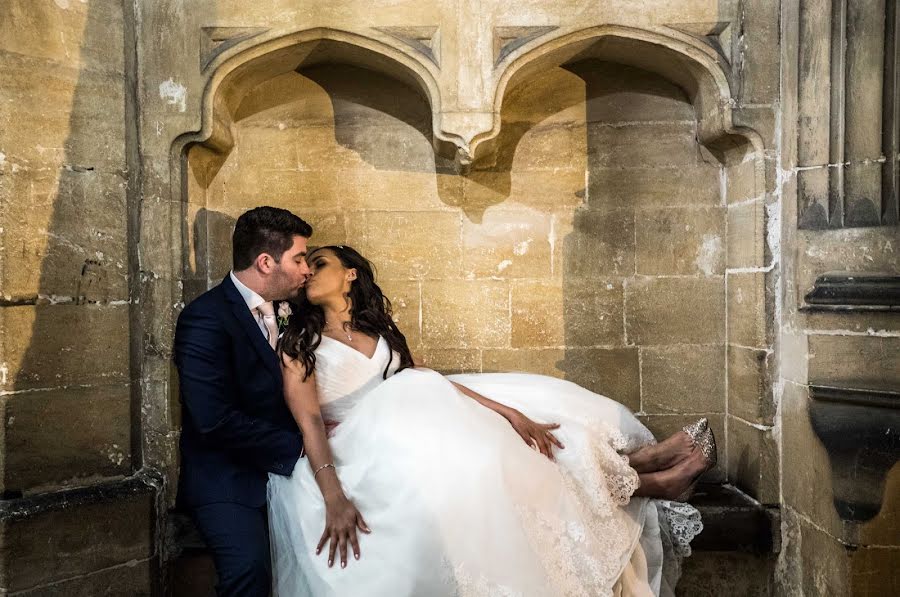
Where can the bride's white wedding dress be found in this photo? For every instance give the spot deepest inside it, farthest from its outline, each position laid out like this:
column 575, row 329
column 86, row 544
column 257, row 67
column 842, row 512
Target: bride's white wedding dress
column 459, row 505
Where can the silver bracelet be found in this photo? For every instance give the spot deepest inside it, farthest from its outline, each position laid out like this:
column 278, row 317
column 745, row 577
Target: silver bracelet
column 316, row 472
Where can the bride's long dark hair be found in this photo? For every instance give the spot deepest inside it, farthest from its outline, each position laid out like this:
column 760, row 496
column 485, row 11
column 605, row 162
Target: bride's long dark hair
column 370, row 313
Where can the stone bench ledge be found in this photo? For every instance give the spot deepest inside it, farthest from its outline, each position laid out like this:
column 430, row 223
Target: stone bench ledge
column 734, row 521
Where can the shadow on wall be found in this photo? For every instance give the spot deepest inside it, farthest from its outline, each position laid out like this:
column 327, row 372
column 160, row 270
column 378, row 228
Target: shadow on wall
column 71, row 417
column 212, row 232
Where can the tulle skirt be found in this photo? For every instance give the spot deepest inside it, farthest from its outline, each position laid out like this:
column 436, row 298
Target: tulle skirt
column 459, row 505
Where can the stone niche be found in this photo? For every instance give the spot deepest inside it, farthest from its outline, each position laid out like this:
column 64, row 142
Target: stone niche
column 594, row 237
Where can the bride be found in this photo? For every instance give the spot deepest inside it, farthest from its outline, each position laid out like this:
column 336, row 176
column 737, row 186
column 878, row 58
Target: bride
column 426, row 480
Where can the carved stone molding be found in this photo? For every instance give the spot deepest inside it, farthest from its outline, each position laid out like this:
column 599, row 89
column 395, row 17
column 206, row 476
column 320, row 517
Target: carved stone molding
column 860, row 429
column 716, row 35
column 424, row 40
column 509, row 39
column 842, row 291
column 215, row 40
column 847, row 114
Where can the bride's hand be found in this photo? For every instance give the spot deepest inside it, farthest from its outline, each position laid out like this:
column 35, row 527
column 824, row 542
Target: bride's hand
column 341, row 521
column 536, row 435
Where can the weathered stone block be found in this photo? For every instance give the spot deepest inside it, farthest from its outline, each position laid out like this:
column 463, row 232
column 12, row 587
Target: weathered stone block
column 405, row 297
column 507, row 244
column 61, row 436
column 329, row 225
column 612, row 372
column 542, row 147
column 746, row 235
column 749, row 388
column 89, row 36
column 54, row 537
column 543, row 361
column 696, row 185
column 133, row 578
column 746, row 309
column 760, row 49
column 762, row 119
column 75, row 128
column 675, row 310
column 663, row 426
column 743, row 182
column 401, row 244
column 661, row 145
column 245, row 186
column 819, row 563
column 809, row 464
column 465, row 314
column 621, row 94
column 547, row 190
column 680, row 241
column 538, row 314
column 713, row 573
column 753, row 460
column 845, row 249
column 855, row 361
column 593, row 312
column 578, row 313
column 556, row 94
column 56, row 225
column 51, row 346
column 380, row 190
column 451, row 360
column 874, row 571
column 683, row 379
column 596, row 243
column 217, row 227
column 392, row 145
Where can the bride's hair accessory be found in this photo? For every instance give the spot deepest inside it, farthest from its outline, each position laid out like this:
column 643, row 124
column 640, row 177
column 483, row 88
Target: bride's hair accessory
column 324, row 466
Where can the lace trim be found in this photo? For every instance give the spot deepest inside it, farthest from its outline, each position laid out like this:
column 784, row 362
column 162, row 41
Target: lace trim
column 679, row 523
column 603, row 474
column 682, row 522
column 468, row 585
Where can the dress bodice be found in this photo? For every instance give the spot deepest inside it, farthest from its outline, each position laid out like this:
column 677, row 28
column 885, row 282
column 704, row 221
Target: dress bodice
column 344, row 375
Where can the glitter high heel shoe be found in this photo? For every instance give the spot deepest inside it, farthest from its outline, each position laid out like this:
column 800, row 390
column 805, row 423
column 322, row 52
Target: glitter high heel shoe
column 704, row 440
column 696, row 428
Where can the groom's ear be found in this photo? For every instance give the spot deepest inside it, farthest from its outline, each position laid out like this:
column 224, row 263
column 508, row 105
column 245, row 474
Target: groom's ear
column 265, row 263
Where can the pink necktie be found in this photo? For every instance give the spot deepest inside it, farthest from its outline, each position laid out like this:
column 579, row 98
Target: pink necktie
column 267, row 310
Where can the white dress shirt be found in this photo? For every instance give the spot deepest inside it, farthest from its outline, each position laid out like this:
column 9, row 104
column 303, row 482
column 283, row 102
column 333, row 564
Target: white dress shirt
column 253, row 301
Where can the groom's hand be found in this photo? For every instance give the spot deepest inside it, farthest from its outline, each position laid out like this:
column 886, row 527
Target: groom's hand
column 536, row 435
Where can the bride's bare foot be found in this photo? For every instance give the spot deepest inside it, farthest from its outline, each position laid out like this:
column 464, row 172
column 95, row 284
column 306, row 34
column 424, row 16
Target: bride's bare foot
column 673, row 482
column 663, row 455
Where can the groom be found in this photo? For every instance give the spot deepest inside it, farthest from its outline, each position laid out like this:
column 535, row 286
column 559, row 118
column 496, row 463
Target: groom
column 236, row 427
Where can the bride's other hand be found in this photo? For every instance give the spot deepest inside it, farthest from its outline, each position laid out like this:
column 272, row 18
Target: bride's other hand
column 536, row 435
column 342, row 519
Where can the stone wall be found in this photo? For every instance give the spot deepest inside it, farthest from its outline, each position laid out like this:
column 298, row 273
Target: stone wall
column 840, row 353
column 67, row 426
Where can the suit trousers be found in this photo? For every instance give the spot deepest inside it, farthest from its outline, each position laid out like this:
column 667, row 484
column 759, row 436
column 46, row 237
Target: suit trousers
column 238, row 537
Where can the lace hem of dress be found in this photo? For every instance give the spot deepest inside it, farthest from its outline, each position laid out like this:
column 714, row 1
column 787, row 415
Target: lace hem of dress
column 679, row 523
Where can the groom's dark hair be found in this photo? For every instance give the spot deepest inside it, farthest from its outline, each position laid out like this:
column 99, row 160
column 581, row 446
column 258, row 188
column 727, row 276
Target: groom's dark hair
column 265, row 230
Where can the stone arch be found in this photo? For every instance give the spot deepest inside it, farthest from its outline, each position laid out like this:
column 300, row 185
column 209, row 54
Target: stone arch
column 238, row 71
column 693, row 66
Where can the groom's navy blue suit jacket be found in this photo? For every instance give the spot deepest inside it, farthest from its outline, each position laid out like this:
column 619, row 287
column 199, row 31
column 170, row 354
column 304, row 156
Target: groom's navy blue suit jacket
column 236, row 426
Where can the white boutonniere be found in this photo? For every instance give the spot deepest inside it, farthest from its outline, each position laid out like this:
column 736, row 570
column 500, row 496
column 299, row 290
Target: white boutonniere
column 284, row 314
